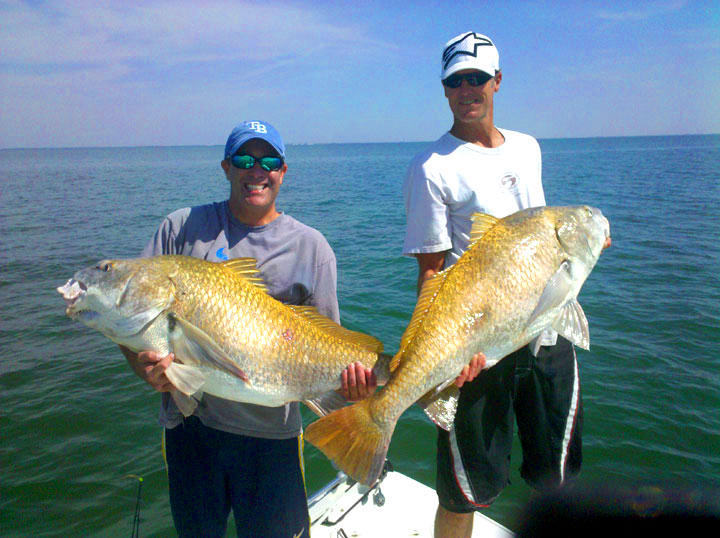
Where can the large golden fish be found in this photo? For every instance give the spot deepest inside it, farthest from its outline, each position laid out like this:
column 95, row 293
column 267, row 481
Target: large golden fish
column 520, row 276
column 230, row 338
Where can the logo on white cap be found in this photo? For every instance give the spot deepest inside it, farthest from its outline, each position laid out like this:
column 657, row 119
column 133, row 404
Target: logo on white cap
column 470, row 51
column 257, row 127
column 465, row 46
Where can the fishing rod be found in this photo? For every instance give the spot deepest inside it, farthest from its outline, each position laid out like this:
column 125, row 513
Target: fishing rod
column 136, row 518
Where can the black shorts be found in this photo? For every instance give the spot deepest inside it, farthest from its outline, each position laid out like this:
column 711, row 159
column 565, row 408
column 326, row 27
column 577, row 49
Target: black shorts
column 543, row 395
column 211, row 472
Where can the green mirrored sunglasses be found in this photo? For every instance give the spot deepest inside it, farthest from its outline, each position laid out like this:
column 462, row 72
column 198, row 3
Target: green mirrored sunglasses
column 245, row 162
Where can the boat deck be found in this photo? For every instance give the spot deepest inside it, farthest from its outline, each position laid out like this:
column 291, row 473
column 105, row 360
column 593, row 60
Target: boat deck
column 395, row 506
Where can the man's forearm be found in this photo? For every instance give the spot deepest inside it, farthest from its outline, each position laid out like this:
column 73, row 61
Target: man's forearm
column 428, row 265
column 423, row 276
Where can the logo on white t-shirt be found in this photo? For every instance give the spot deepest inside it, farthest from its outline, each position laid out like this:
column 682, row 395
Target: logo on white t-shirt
column 509, row 182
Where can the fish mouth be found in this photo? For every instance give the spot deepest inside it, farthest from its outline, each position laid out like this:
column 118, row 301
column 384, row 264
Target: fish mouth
column 608, row 238
column 73, row 292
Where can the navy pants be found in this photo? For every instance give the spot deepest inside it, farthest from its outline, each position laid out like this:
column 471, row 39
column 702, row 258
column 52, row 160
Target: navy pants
column 211, row 472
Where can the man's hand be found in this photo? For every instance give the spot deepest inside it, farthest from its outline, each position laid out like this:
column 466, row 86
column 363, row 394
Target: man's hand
column 358, row 382
column 150, row 366
column 471, row 371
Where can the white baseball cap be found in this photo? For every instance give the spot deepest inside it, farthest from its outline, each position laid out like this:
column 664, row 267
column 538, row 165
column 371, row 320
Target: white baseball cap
column 469, row 51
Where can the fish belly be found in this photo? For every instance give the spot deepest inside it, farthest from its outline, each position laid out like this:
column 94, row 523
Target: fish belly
column 229, row 387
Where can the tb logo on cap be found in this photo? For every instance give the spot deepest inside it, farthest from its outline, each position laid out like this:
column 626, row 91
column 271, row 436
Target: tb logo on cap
column 257, row 127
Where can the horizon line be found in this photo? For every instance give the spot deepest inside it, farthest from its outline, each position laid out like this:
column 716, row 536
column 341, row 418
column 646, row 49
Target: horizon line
column 17, row 148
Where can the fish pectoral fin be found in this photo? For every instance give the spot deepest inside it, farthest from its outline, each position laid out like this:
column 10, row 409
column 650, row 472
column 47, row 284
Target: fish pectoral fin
column 185, row 378
column 555, row 292
column 192, row 345
column 440, row 404
column 186, row 404
column 326, row 404
column 573, row 325
column 535, row 345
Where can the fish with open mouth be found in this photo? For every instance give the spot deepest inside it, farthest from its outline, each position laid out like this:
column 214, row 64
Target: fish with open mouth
column 229, row 337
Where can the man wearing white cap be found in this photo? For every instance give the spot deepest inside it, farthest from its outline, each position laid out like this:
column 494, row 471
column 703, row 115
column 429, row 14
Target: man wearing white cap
column 478, row 167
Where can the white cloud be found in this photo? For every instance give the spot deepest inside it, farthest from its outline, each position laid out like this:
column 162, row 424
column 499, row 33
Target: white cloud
column 65, row 62
column 641, row 11
column 73, row 69
column 171, row 32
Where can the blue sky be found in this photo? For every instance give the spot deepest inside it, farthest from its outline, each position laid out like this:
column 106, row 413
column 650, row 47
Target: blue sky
column 76, row 73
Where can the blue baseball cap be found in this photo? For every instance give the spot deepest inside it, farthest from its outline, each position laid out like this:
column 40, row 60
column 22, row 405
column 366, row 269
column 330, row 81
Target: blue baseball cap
column 248, row 130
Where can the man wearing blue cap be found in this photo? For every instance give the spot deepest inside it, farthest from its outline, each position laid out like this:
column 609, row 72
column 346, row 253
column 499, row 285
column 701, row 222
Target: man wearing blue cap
column 230, row 455
column 478, row 167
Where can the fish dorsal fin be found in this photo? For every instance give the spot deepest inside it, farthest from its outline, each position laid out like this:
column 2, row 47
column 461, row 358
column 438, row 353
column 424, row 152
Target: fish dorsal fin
column 429, row 291
column 482, row 222
column 247, row 268
column 324, row 323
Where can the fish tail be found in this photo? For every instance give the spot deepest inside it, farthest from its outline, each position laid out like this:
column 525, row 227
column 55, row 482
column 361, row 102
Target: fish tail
column 353, row 440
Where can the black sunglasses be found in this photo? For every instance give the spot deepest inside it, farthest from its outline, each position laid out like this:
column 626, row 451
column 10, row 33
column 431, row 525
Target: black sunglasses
column 245, row 162
column 476, row 78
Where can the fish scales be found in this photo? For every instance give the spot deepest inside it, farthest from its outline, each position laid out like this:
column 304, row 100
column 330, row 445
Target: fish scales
column 286, row 355
column 445, row 338
column 266, row 331
column 520, row 277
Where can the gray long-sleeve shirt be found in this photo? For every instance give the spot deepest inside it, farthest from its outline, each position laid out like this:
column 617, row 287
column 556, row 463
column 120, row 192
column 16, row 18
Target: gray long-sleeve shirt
column 298, row 267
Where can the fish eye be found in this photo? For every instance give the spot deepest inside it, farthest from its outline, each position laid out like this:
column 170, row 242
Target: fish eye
column 105, row 266
column 589, row 212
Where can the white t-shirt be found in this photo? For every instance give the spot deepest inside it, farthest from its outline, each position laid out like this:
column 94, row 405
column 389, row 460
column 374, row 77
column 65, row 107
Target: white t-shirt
column 453, row 179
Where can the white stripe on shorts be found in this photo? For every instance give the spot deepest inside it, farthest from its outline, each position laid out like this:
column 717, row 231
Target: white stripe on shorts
column 570, row 424
column 460, row 474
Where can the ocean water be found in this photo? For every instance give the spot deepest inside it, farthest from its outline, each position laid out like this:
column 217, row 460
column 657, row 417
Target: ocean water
column 75, row 422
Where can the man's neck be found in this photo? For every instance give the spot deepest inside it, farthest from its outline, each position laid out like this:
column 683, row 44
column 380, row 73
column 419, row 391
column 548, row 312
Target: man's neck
column 252, row 219
column 484, row 135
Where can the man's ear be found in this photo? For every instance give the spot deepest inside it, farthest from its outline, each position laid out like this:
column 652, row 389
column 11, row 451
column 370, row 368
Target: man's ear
column 283, row 170
column 498, row 79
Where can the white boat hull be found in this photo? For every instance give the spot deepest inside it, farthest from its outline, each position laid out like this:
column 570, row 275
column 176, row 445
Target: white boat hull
column 397, row 506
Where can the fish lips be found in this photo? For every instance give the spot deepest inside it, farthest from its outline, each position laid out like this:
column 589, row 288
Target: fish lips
column 73, row 292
